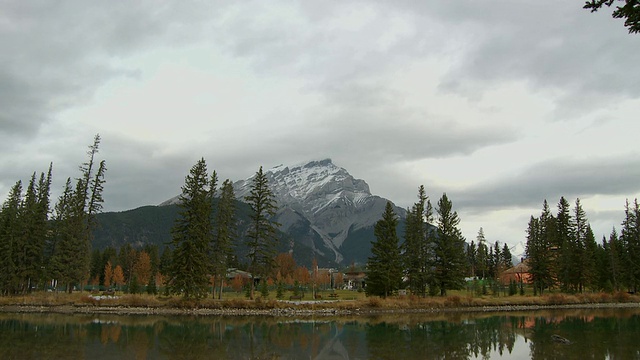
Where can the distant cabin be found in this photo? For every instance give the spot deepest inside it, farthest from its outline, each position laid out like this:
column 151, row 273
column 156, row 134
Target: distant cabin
column 519, row 273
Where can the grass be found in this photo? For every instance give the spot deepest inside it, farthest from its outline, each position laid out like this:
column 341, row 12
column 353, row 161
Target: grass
column 347, row 300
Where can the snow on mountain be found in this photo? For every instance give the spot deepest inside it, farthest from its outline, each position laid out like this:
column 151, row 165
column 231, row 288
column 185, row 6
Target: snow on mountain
column 333, row 201
column 518, row 252
column 323, row 202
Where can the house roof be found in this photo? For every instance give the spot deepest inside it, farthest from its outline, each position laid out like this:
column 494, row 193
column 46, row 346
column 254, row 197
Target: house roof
column 523, row 267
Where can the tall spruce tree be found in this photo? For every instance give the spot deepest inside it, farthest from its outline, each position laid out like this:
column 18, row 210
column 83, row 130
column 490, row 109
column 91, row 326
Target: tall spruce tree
column 262, row 239
column 566, row 245
column 192, row 234
column 615, row 260
column 483, row 255
column 580, row 260
column 417, row 248
column 34, row 218
column 225, row 234
column 10, row 231
column 75, row 221
column 505, row 256
column 630, row 241
column 384, row 267
column 449, row 248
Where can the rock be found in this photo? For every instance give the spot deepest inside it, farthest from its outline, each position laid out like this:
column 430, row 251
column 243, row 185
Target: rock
column 560, row 339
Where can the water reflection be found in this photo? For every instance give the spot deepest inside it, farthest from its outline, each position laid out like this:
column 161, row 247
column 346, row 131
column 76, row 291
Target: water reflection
column 601, row 334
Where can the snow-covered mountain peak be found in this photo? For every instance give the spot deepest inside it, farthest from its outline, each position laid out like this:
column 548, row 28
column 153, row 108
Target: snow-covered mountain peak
column 310, row 181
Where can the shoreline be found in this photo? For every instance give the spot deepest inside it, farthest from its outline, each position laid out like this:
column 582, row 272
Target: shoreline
column 293, row 311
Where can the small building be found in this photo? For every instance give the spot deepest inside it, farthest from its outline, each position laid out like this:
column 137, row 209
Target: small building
column 354, row 279
column 520, row 273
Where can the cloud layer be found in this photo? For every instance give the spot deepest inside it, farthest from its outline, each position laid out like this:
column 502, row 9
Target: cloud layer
column 500, row 103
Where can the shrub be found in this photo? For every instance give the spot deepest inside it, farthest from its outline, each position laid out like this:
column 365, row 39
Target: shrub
column 374, row 302
column 453, row 301
column 621, row 296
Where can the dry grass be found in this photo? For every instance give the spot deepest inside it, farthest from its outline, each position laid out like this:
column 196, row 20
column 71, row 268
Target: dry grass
column 455, row 300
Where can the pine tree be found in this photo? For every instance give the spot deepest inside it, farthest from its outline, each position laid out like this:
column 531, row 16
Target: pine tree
column 630, row 241
column 449, row 248
column 75, row 220
column 384, row 268
column 10, row 230
column 417, row 248
column 549, row 245
column 483, row 255
column 565, row 244
column 590, row 270
column 262, row 231
column 472, row 259
column 580, row 260
column 225, row 234
column 538, row 250
column 192, row 235
column 506, row 258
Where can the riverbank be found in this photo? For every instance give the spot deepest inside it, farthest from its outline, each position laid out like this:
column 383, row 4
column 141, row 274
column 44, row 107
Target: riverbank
column 153, row 305
column 289, row 311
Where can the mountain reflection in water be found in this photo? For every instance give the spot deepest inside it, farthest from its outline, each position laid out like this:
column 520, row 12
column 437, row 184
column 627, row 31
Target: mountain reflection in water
column 599, row 333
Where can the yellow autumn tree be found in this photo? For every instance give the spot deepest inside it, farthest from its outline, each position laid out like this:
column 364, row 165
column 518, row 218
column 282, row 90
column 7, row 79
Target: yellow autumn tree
column 142, row 267
column 118, row 276
column 108, row 274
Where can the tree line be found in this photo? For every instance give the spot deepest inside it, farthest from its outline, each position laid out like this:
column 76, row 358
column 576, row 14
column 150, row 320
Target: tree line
column 562, row 251
column 430, row 259
column 40, row 245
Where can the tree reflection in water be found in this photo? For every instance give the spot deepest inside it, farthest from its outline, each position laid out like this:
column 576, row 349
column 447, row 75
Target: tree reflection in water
column 601, row 334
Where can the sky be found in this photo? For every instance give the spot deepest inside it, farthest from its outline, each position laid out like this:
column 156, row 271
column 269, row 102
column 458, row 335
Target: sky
column 499, row 103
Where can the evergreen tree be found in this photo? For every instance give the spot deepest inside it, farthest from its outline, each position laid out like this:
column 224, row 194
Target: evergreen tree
column 630, row 241
column 539, row 261
column 472, row 258
column 506, row 258
column 449, row 248
column 581, row 261
column 589, row 276
column 549, row 245
column 165, row 261
column 629, row 11
column 225, row 234
column 75, row 220
column 483, row 255
column 10, row 231
column 384, row 268
column 615, row 259
column 498, row 263
column 417, row 248
column 566, row 245
column 192, row 234
column 262, row 231
column 34, row 221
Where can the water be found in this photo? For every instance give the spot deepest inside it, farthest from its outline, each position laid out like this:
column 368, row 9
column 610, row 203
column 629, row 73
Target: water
column 594, row 334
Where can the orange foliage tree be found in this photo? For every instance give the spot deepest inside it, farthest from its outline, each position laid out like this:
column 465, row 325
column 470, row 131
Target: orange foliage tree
column 142, row 267
column 285, row 265
column 118, row 276
column 237, row 283
column 108, row 274
column 302, row 276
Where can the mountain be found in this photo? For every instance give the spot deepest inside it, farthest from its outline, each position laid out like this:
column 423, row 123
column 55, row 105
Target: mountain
column 518, row 252
column 151, row 225
column 323, row 210
column 327, row 200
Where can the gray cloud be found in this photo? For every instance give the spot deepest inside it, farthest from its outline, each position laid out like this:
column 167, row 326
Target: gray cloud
column 555, row 178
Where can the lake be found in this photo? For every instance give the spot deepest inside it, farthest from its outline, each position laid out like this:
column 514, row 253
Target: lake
column 596, row 334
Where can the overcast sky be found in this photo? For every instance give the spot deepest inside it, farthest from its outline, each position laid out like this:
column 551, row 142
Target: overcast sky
column 499, row 103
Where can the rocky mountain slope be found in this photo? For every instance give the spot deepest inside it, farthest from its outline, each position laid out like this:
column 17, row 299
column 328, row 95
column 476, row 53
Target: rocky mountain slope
column 323, row 207
column 326, row 199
